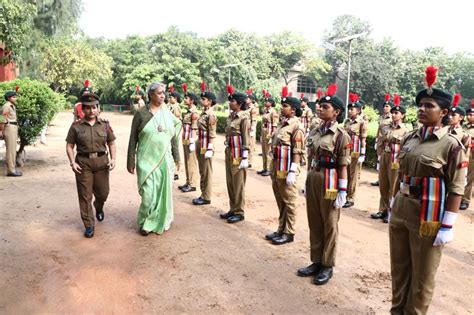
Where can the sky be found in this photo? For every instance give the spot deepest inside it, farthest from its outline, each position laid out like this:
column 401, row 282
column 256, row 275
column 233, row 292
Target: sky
column 411, row 24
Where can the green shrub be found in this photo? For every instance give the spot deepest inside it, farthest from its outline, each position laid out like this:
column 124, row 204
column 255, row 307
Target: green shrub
column 36, row 106
column 371, row 113
column 71, row 101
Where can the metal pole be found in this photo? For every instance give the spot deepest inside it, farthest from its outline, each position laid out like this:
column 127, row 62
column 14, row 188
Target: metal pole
column 229, row 75
column 348, row 77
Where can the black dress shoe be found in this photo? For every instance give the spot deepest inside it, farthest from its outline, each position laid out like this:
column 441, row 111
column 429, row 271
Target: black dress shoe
column 376, row 183
column 235, row 218
column 463, row 206
column 199, row 201
column 266, row 173
column 176, row 176
column 283, row 239
column 188, row 189
column 385, row 217
column 323, row 276
column 89, row 232
column 348, row 204
column 15, row 174
column 378, row 215
column 144, row 232
column 271, row 236
column 182, row 186
column 99, row 214
column 310, row 270
column 226, row 215
column 261, row 172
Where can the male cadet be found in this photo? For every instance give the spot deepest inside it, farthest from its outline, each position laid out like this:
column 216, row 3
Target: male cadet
column 10, row 131
column 384, row 119
column 306, row 118
column 469, row 128
column 91, row 136
column 252, row 112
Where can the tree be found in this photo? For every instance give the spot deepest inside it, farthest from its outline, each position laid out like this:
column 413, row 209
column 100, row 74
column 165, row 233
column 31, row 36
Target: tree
column 57, row 17
column 15, row 26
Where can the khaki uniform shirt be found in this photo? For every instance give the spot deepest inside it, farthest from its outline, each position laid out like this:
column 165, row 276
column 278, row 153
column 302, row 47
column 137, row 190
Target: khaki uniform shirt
column 290, row 133
column 9, row 112
column 357, row 127
column 462, row 136
column 306, row 118
column 252, row 112
column 176, row 110
column 90, row 139
column 391, row 135
column 270, row 121
column 207, row 124
column 238, row 125
column 441, row 155
column 333, row 142
column 315, row 122
column 384, row 121
column 469, row 128
column 190, row 120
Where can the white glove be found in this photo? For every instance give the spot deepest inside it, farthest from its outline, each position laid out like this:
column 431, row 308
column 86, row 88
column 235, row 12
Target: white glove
column 375, row 144
column 244, row 163
column 291, row 177
column 270, row 141
column 192, row 145
column 209, row 153
column 252, row 133
column 446, row 233
column 340, row 199
column 391, row 202
column 362, row 155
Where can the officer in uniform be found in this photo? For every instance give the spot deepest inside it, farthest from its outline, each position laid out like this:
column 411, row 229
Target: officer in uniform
column 306, row 119
column 10, row 131
column 190, row 127
column 384, row 120
column 236, row 155
column 91, row 136
column 174, row 101
column 78, row 112
column 390, row 139
column 469, row 128
column 287, row 149
column 431, row 184
column 326, row 186
column 207, row 124
column 270, row 119
column 252, row 111
column 356, row 127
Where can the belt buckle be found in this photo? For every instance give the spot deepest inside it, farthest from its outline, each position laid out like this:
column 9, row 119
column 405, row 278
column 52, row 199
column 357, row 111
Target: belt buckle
column 92, row 155
column 404, row 189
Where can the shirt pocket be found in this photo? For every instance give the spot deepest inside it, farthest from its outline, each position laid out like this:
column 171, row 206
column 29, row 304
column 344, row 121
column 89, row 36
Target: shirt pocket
column 430, row 166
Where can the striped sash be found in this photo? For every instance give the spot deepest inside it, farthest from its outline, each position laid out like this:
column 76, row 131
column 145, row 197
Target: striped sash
column 355, row 146
column 330, row 179
column 235, row 143
column 203, row 140
column 304, row 121
column 394, row 151
column 432, row 205
column 282, row 155
column 186, row 133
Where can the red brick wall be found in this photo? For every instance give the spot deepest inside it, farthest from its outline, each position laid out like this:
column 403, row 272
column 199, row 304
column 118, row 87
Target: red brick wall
column 7, row 72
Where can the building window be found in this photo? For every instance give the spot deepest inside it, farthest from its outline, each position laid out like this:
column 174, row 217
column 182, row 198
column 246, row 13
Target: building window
column 306, row 85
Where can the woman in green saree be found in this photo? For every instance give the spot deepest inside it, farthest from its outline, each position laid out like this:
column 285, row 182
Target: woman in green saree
column 154, row 143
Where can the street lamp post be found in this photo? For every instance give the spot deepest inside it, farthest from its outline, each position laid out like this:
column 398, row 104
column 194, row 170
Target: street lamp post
column 231, row 65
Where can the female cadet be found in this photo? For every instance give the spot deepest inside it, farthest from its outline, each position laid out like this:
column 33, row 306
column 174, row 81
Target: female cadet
column 270, row 119
column 190, row 127
column 236, row 155
column 389, row 139
column 175, row 108
column 206, row 135
column 431, row 178
column 306, row 118
column 326, row 186
column 287, row 148
column 356, row 127
column 469, row 128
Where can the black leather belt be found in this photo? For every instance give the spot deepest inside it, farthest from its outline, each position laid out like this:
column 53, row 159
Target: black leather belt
column 12, row 123
column 91, row 155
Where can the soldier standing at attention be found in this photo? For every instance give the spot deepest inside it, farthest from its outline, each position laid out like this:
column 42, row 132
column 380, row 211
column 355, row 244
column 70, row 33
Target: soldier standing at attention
column 390, row 139
column 356, row 127
column 287, row 148
column 426, row 201
column 270, row 121
column 236, row 155
column 316, row 121
column 10, row 131
column 174, row 101
column 252, row 111
column 190, row 127
column 207, row 124
column 91, row 136
column 384, row 120
column 326, row 186
column 306, row 118
column 469, row 128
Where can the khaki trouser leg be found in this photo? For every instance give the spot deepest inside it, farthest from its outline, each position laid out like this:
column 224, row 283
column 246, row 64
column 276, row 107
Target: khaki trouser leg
column 470, row 178
column 286, row 197
column 205, row 170
column 235, row 178
column 353, row 180
column 252, row 141
column 85, row 184
column 190, row 166
column 323, row 221
column 265, row 150
column 414, row 259
column 384, row 182
column 101, row 181
column 10, row 134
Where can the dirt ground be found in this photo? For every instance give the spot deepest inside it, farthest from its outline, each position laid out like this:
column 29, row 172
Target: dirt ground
column 202, row 264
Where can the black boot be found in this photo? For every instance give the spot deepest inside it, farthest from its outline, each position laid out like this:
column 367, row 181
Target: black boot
column 323, row 276
column 310, row 270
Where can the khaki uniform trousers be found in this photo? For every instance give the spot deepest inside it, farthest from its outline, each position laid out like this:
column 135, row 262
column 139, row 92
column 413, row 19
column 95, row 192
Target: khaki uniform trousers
column 353, row 178
column 190, row 165
column 322, row 220
column 235, row 179
column 10, row 134
column 470, row 179
column 414, row 260
column 265, row 150
column 205, row 170
column 286, row 198
column 252, row 141
column 93, row 180
column 387, row 181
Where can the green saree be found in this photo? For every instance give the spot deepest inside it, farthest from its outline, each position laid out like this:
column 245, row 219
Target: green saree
column 155, row 171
